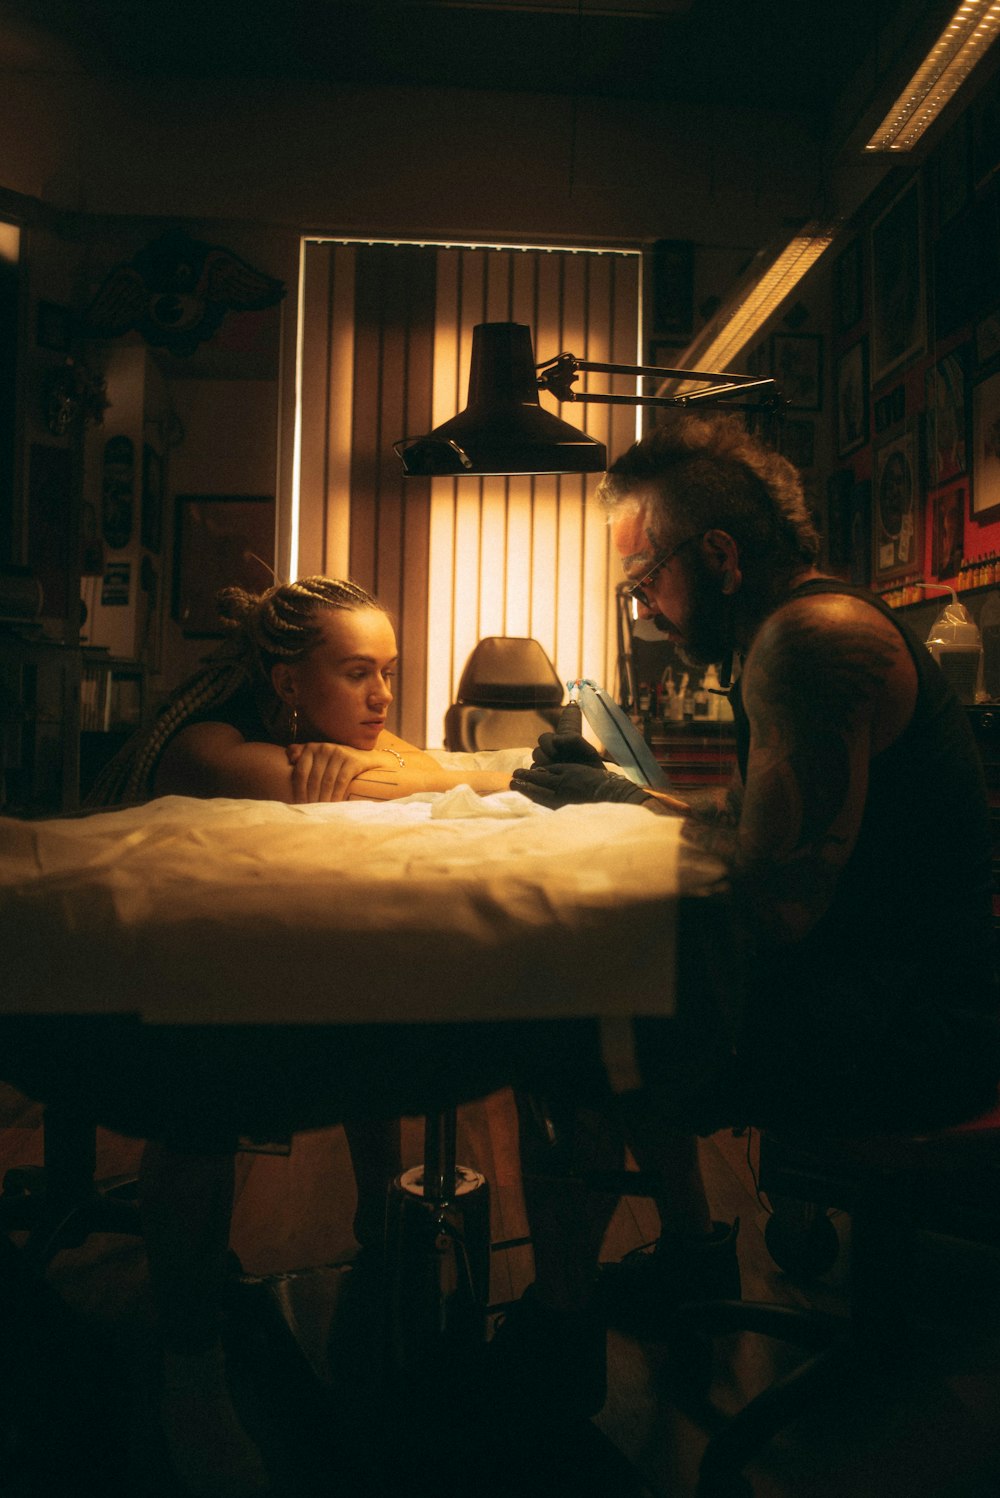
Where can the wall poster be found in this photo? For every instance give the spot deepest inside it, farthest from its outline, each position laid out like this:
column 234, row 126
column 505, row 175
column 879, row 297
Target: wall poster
column 897, row 283
column 985, row 505
column 895, row 508
column 221, row 541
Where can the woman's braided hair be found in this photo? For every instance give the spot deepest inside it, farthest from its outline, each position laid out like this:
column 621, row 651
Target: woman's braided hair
column 281, row 624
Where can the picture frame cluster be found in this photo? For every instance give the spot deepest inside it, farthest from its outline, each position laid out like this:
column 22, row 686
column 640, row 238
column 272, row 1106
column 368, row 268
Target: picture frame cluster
column 916, row 371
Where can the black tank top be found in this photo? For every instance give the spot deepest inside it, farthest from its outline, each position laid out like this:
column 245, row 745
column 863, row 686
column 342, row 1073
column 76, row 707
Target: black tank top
column 905, row 948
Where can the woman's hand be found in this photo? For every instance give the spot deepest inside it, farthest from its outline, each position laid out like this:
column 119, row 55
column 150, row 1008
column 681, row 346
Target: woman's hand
column 325, row 772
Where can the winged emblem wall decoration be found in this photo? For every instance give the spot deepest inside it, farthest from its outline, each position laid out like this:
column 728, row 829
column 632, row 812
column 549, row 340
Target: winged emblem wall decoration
column 176, row 292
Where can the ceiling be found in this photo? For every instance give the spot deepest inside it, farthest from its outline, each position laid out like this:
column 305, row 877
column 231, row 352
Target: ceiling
column 785, row 55
column 773, row 70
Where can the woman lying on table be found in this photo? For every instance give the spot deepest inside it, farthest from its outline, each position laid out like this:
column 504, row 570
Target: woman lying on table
column 291, row 708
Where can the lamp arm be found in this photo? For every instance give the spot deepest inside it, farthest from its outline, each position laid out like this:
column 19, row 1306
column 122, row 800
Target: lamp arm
column 771, row 400
column 558, row 375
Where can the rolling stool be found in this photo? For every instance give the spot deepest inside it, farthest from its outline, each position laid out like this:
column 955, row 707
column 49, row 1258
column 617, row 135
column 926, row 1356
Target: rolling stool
column 894, row 1187
column 437, row 1251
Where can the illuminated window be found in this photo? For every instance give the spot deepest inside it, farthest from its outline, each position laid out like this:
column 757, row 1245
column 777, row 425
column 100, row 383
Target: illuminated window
column 385, row 344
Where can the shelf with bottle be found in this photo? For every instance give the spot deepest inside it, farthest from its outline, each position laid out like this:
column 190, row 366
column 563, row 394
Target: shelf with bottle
column 689, row 701
column 980, row 572
column 694, row 752
column 688, row 724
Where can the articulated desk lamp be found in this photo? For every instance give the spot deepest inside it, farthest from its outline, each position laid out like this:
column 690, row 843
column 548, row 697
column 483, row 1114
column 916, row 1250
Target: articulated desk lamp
column 503, row 429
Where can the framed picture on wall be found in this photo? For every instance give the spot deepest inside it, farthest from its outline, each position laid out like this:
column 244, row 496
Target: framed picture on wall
column 151, row 522
column 220, row 541
column 945, row 409
column 665, row 353
column 895, row 508
column 797, row 442
column 986, row 132
column 985, row 502
column 897, row 283
column 951, row 172
column 50, row 489
column 797, row 365
column 882, row 411
column 948, row 530
column 860, row 561
column 852, row 398
column 839, row 487
column 955, row 258
column 673, row 289
column 54, row 327
column 987, row 338
column 848, row 287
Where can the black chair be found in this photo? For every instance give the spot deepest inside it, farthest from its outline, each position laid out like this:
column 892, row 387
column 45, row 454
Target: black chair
column 508, row 694
column 894, row 1187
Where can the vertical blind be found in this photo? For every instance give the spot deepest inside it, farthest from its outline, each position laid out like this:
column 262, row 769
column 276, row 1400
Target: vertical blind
column 385, row 348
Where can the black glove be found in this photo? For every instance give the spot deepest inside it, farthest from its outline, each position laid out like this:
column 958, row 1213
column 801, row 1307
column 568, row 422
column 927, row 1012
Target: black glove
column 566, row 746
column 562, row 785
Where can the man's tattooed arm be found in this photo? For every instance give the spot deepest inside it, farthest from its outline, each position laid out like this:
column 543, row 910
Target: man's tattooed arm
column 818, row 673
column 715, row 808
column 713, row 818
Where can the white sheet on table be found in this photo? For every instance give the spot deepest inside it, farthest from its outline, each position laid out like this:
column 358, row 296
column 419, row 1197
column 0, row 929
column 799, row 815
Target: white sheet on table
column 232, row 910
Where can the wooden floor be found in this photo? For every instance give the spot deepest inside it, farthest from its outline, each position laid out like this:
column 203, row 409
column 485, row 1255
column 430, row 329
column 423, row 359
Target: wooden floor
column 930, row 1430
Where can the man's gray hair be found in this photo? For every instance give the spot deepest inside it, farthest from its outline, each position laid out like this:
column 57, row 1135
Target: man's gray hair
column 704, row 472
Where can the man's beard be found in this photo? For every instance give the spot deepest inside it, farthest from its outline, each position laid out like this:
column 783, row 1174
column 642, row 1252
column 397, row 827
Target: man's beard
column 708, row 636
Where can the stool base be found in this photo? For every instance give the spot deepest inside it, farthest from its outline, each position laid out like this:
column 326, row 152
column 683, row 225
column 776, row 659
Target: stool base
column 437, row 1266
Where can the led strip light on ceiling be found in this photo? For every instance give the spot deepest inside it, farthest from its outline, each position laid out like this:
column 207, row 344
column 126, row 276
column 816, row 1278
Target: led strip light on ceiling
column 969, row 33
column 736, row 323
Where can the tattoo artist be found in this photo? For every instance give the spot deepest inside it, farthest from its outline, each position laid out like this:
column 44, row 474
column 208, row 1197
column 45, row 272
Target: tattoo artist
column 855, row 828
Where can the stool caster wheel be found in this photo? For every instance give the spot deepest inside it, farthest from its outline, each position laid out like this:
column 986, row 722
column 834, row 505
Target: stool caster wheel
column 802, row 1246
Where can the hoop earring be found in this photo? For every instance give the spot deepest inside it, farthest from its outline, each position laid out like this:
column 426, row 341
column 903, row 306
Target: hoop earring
column 293, row 725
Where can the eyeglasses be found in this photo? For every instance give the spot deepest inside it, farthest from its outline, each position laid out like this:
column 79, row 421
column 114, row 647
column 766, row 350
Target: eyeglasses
column 637, row 590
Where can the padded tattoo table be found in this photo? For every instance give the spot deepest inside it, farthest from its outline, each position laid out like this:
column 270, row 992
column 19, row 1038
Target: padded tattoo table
column 437, row 907
column 448, row 908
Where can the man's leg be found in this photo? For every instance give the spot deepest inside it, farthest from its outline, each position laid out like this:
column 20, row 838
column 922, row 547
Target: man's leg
column 560, row 1144
column 694, row 1257
column 663, row 1151
column 548, row 1356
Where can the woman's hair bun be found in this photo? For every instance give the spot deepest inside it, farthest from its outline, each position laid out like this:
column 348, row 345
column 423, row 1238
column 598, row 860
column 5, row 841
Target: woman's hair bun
column 235, row 605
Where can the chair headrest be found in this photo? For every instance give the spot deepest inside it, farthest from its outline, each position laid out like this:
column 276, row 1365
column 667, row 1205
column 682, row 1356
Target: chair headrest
column 507, row 671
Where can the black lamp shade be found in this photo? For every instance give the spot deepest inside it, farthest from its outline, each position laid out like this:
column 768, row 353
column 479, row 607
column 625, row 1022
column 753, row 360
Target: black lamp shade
column 503, row 429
